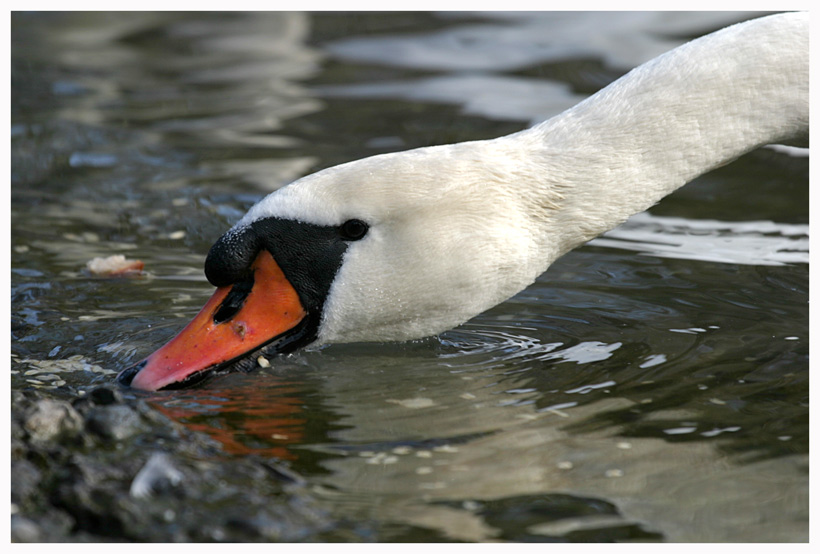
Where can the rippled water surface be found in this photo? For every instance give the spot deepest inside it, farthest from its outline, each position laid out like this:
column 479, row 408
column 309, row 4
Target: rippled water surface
column 652, row 385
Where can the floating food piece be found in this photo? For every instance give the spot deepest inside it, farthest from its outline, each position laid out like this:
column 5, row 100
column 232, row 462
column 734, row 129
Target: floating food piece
column 115, row 266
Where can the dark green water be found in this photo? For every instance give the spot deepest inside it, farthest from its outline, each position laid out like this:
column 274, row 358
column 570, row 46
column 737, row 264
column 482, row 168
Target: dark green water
column 624, row 396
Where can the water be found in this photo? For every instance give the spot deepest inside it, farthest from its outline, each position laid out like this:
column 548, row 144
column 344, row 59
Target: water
column 652, row 385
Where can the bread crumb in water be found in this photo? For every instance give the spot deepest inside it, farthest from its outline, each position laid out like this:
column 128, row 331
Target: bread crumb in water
column 115, row 266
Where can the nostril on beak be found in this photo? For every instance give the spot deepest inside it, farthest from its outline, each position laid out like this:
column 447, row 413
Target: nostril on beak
column 234, row 301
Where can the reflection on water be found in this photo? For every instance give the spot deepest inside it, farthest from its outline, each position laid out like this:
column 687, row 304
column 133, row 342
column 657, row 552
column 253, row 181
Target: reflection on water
column 652, row 385
column 256, row 418
column 745, row 242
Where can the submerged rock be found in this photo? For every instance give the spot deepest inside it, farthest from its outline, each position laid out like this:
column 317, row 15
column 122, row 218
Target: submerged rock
column 158, row 474
column 51, row 420
column 95, row 466
column 115, row 422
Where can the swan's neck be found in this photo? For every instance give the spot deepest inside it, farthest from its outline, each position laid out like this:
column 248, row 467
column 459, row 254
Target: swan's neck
column 683, row 114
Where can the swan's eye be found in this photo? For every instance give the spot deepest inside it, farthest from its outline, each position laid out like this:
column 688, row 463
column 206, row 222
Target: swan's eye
column 353, row 229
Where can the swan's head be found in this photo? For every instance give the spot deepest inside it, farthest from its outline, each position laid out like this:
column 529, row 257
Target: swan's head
column 393, row 247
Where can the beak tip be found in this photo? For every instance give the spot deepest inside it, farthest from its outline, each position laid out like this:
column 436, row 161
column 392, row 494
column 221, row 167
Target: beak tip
column 135, row 378
column 126, row 376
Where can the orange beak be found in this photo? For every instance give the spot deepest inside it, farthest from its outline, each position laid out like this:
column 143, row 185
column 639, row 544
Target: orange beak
column 217, row 337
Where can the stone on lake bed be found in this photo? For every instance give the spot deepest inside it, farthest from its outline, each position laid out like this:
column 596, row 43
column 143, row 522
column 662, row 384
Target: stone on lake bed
column 50, row 420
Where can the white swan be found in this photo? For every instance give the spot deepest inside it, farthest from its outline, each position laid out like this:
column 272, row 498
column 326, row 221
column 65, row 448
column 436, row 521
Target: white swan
column 405, row 245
